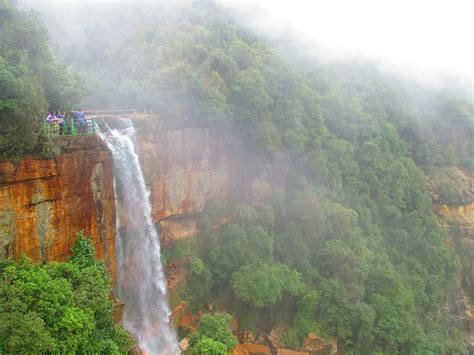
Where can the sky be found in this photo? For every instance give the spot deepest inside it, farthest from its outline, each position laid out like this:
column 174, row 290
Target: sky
column 426, row 38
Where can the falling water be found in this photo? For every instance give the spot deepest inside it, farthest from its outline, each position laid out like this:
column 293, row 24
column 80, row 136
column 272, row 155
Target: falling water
column 140, row 280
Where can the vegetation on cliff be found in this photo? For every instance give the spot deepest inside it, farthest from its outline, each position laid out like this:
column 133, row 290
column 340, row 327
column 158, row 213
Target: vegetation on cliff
column 59, row 307
column 348, row 247
column 213, row 337
column 31, row 82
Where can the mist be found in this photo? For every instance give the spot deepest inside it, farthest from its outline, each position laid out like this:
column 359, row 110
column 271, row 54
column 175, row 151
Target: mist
column 308, row 166
column 424, row 40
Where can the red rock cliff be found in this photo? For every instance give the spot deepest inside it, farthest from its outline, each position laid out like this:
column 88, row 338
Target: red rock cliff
column 184, row 168
column 457, row 217
column 44, row 203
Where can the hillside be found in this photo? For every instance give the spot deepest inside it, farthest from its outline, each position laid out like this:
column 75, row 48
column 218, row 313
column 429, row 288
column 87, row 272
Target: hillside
column 326, row 226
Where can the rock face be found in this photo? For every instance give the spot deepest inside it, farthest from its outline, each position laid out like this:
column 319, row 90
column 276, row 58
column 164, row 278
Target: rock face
column 44, row 203
column 315, row 345
column 251, row 349
column 282, row 351
column 276, row 334
column 184, row 169
column 457, row 217
column 451, row 186
column 173, row 229
column 459, row 223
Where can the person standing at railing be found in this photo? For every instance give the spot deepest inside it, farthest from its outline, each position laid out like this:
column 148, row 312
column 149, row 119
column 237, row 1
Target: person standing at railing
column 84, row 122
column 79, row 120
column 51, row 118
column 53, row 122
column 61, row 121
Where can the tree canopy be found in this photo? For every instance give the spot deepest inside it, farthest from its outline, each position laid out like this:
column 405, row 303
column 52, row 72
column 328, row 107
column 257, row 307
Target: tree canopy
column 60, row 307
column 31, row 82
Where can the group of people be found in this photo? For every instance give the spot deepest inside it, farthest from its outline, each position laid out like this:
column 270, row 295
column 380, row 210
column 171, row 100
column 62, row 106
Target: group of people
column 59, row 120
column 55, row 117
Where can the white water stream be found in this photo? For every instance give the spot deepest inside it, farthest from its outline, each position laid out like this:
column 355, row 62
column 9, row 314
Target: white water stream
column 140, row 280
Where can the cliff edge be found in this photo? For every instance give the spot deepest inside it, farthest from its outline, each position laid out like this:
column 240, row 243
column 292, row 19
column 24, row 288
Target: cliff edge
column 44, row 203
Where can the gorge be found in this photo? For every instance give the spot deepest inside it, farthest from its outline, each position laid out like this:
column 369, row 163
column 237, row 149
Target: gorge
column 183, row 185
column 263, row 201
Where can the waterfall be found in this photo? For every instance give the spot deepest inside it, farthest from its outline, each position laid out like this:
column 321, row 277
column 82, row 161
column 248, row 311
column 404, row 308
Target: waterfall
column 140, row 280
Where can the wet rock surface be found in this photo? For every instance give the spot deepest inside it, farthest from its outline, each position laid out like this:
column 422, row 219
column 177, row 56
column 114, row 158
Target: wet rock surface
column 184, row 169
column 44, row 203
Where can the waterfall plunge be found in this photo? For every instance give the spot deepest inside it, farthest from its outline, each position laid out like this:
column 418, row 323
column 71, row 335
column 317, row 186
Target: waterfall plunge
column 140, row 281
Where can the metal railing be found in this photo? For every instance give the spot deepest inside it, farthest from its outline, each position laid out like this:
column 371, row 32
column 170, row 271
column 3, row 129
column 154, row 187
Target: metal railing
column 68, row 127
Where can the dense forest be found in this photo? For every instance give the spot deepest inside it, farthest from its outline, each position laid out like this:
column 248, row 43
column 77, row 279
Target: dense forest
column 31, row 82
column 349, row 247
column 59, row 308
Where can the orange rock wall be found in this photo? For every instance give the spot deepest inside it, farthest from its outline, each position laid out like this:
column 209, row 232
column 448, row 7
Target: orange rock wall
column 459, row 223
column 184, row 168
column 458, row 220
column 44, row 203
column 461, row 216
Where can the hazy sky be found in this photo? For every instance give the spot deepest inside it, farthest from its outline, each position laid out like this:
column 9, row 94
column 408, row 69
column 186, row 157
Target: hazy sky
column 425, row 37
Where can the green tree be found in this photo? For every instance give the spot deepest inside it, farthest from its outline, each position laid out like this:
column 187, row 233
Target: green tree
column 198, row 283
column 213, row 334
column 264, row 284
column 63, row 308
column 31, row 82
column 237, row 247
column 208, row 346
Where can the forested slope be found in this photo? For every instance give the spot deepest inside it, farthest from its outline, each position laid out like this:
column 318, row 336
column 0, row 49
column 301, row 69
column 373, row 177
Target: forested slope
column 31, row 82
column 350, row 248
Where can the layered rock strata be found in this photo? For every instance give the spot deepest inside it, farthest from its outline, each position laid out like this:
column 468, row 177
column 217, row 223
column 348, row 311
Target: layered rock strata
column 44, row 203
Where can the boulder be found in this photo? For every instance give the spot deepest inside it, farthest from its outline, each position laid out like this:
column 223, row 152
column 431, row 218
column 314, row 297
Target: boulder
column 251, row 349
column 118, row 310
column 239, row 350
column 189, row 322
column 276, row 334
column 282, row 351
column 179, row 312
column 256, row 349
column 136, row 351
column 245, row 336
column 315, row 345
column 183, row 344
column 234, row 324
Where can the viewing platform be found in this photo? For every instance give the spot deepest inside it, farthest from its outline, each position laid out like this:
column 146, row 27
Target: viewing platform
column 131, row 114
column 70, row 127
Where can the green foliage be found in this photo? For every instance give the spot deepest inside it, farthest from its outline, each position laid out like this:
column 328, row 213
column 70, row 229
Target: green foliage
column 30, row 83
column 208, row 346
column 178, row 251
column 304, row 321
column 264, row 284
column 246, row 214
column 59, row 308
column 83, row 251
column 238, row 247
column 348, row 247
column 198, row 284
column 213, row 336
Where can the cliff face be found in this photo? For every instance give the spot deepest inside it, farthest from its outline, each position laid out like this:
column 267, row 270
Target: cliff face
column 457, row 216
column 184, row 168
column 44, row 203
